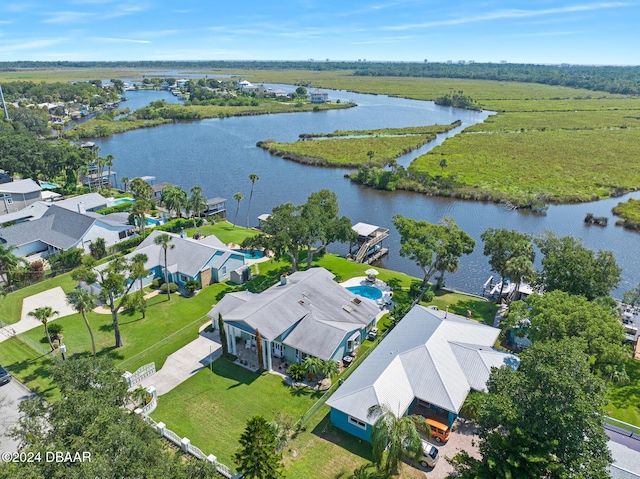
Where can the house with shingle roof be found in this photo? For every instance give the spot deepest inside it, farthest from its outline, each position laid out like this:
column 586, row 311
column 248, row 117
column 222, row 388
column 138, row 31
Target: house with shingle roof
column 207, row 260
column 306, row 314
column 432, row 358
column 59, row 229
column 17, row 195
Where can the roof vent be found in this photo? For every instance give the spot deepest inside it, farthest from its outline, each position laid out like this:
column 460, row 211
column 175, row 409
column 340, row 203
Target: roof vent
column 283, row 280
column 347, row 308
column 357, row 301
column 301, row 301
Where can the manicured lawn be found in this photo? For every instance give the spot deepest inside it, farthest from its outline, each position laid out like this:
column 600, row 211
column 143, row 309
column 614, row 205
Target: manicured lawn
column 460, row 304
column 212, row 409
column 224, row 231
column 624, row 401
column 11, row 304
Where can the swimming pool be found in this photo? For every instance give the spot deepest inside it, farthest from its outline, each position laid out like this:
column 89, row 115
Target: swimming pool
column 120, row 201
column 366, row 291
column 250, row 254
column 45, row 185
column 151, row 222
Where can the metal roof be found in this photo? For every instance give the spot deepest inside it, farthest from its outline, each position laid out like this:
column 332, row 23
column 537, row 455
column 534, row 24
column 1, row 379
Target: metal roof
column 20, row 187
column 364, row 229
column 442, row 356
column 91, row 201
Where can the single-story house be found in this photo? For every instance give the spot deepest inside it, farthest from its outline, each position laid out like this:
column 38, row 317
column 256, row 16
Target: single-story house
column 82, row 204
column 60, row 229
column 432, row 358
column 17, row 195
column 319, row 96
column 306, row 314
column 207, row 261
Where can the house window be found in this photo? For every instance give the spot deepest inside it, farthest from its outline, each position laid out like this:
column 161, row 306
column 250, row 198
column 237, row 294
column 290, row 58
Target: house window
column 9, row 199
column 184, row 278
column 223, row 270
column 357, row 422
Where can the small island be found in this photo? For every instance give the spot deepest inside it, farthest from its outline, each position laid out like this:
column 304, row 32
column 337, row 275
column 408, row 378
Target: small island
column 629, row 213
column 355, row 148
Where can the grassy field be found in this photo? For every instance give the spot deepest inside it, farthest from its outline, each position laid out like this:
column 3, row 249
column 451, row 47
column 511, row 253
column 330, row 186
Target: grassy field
column 624, row 401
column 409, row 130
column 629, row 213
column 348, row 152
column 224, row 231
column 101, row 128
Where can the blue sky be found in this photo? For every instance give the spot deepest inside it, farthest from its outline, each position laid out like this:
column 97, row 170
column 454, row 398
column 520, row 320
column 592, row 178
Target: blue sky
column 404, row 30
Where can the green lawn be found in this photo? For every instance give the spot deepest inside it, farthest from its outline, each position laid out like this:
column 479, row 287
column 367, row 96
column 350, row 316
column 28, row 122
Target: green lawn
column 224, row 231
column 460, row 304
column 212, row 409
column 624, row 401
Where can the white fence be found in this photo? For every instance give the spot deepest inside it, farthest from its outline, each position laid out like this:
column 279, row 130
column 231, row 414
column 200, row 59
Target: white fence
column 623, row 428
column 183, row 443
column 142, row 373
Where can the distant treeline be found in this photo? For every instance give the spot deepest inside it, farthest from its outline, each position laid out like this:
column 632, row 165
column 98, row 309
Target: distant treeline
column 612, row 79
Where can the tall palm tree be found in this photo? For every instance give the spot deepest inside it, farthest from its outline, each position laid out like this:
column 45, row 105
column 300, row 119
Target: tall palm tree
column 443, row 165
column 139, row 210
column 519, row 268
column 108, row 161
column 174, row 198
column 238, row 196
column 8, row 262
column 164, row 240
column 253, row 177
column 313, row 366
column 197, row 202
column 83, row 301
column 329, row 368
column 43, row 314
column 102, row 162
column 392, row 434
column 137, row 267
column 125, row 182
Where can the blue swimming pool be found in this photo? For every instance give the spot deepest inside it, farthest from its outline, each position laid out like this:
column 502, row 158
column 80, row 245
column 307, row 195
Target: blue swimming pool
column 120, row 201
column 152, row 222
column 366, row 291
column 251, row 254
column 45, row 185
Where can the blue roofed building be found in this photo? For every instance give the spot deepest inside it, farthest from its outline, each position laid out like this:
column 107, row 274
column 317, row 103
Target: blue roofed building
column 431, row 359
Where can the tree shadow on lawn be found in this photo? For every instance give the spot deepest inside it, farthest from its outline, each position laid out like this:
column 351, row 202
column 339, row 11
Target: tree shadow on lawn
column 327, row 431
column 627, row 396
column 303, row 391
column 226, row 369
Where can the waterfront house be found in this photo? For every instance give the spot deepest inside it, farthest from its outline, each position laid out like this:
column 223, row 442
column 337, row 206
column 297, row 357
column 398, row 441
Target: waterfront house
column 17, row 195
column 207, row 260
column 430, row 362
column 306, row 314
column 216, row 206
column 59, row 229
column 319, row 96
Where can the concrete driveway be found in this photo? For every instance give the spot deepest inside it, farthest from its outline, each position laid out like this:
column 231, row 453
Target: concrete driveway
column 11, row 394
column 185, row 362
column 55, row 297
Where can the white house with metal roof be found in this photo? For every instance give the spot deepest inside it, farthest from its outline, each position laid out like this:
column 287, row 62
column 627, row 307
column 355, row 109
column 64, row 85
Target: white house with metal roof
column 306, row 314
column 431, row 358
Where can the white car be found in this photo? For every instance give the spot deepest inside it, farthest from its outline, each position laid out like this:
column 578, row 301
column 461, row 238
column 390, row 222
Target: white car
column 373, row 334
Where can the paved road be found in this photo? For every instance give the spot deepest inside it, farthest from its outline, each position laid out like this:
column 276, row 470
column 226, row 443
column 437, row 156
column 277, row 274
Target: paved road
column 11, row 394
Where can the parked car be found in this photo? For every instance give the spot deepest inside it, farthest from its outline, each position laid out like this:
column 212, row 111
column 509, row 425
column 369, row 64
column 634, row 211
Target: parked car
column 429, row 456
column 373, row 334
column 5, row 376
column 439, row 432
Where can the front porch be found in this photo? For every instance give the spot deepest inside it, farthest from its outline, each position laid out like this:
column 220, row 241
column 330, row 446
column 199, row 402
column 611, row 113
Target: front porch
column 248, row 358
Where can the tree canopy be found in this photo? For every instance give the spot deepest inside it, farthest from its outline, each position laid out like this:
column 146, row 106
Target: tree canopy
column 91, row 417
column 558, row 315
column 433, row 247
column 543, row 420
column 568, row 266
column 257, row 457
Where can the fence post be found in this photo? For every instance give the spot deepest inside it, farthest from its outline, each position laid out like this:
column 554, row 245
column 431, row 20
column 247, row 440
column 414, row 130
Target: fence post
column 152, row 392
column 212, row 459
column 184, row 444
column 161, row 428
column 126, row 376
column 138, row 411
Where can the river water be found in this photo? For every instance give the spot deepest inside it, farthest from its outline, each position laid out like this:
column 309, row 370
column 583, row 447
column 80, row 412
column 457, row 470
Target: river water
column 219, row 154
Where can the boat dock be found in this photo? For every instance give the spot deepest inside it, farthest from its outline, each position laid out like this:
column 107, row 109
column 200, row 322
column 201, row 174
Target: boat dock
column 369, row 247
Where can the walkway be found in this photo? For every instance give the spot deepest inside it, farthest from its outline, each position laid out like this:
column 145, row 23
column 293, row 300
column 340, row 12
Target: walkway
column 55, row 297
column 185, row 362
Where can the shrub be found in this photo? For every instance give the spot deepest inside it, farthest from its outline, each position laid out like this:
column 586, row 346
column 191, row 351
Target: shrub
column 178, row 224
column 156, row 283
column 55, row 330
column 296, row 372
column 192, row 285
column 173, row 287
column 98, row 248
column 115, row 209
column 66, row 260
column 129, row 242
column 36, row 270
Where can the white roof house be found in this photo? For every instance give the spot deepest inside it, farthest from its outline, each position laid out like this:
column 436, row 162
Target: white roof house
column 432, row 356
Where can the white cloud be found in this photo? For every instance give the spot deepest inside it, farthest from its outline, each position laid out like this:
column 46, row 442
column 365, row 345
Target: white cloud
column 67, row 17
column 509, row 13
column 120, row 40
column 32, row 45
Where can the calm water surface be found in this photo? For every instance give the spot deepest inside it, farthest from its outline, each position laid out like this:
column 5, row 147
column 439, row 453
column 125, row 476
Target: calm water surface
column 218, row 155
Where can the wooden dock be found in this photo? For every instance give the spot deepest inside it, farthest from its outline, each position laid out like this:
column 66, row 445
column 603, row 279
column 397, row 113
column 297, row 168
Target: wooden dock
column 376, row 256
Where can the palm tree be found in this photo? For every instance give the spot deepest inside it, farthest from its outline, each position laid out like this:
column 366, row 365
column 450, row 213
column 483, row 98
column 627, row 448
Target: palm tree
column 238, row 196
column 125, row 182
column 329, row 368
column 313, row 366
column 83, row 301
column 197, row 202
column 8, row 262
column 84, row 171
column 443, row 165
column 392, row 434
column 253, row 177
column 174, row 198
column 164, row 240
column 109, row 163
column 137, row 267
column 102, row 162
column 43, row 314
column 139, row 210
column 519, row 268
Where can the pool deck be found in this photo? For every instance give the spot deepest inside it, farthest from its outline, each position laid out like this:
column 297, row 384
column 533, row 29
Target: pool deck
column 385, row 302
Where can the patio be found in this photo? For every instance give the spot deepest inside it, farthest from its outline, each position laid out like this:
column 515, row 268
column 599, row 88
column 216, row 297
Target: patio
column 248, row 358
